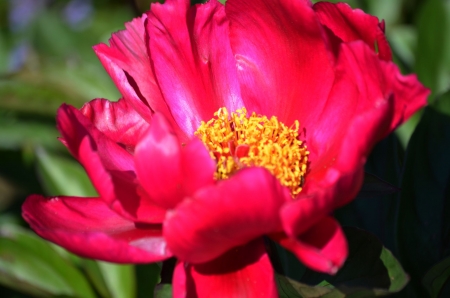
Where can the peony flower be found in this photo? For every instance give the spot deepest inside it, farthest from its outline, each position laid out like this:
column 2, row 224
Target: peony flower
column 237, row 122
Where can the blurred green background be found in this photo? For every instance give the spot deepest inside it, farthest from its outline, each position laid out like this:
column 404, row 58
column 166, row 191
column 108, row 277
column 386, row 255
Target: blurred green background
column 46, row 59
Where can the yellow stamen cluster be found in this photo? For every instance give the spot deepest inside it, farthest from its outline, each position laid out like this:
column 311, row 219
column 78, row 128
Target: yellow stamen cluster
column 237, row 141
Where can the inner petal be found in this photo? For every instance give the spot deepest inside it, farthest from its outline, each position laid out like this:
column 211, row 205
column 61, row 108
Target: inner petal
column 237, row 141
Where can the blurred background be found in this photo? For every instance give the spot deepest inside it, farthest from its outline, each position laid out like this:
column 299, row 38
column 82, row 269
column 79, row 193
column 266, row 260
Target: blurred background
column 46, row 59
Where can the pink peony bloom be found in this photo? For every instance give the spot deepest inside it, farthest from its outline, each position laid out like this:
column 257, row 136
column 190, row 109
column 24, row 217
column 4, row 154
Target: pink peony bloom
column 237, row 122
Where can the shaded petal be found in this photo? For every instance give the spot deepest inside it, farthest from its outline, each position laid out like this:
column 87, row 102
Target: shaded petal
column 169, row 171
column 364, row 81
column 87, row 227
column 197, row 165
column 220, row 217
column 242, row 272
column 353, row 24
column 158, row 163
column 323, row 247
column 76, row 129
column 337, row 178
column 109, row 166
column 283, row 64
column 117, row 120
column 193, row 41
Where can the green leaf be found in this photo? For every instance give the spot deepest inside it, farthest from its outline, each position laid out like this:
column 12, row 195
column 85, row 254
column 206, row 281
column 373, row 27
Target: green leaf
column 43, row 91
column 432, row 35
column 163, row 291
column 119, row 279
column 17, row 179
column 423, row 221
column 370, row 270
column 289, row 288
column 16, row 134
column 33, row 95
column 92, row 270
column 403, row 39
column 148, row 276
column 4, row 52
column 374, row 186
column 405, row 131
column 377, row 212
column 63, row 176
column 387, row 10
column 442, row 103
column 397, row 275
column 30, row 264
column 437, row 277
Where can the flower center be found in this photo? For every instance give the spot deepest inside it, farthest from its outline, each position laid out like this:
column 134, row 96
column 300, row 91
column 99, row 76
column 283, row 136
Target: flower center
column 237, row 141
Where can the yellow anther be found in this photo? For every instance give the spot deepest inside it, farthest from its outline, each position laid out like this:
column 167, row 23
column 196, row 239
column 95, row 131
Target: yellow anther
column 263, row 142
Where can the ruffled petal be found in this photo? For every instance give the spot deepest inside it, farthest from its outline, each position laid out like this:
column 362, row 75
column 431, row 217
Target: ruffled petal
column 87, row 227
column 323, row 247
column 353, row 24
column 109, row 166
column 226, row 215
column 242, row 272
column 127, row 61
column 117, row 120
column 193, row 41
column 284, row 67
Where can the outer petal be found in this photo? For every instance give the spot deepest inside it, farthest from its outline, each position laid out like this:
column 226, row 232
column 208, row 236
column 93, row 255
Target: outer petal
column 364, row 81
column 352, row 25
column 283, row 64
column 117, row 120
column 193, row 41
column 322, row 248
column 87, row 227
column 168, row 172
column 229, row 214
column 127, row 62
column 109, row 166
column 332, row 183
column 242, row 272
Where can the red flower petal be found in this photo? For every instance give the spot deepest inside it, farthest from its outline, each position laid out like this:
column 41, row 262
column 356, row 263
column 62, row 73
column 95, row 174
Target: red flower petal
column 197, row 166
column 337, row 178
column 168, row 172
column 117, row 120
column 87, row 227
column 226, row 215
column 353, row 24
column 322, row 248
column 242, row 272
column 283, row 65
column 109, row 166
column 362, row 90
column 158, row 163
column 127, row 62
column 193, row 41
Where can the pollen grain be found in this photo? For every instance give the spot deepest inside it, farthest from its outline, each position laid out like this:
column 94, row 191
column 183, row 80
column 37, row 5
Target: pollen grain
column 237, row 141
